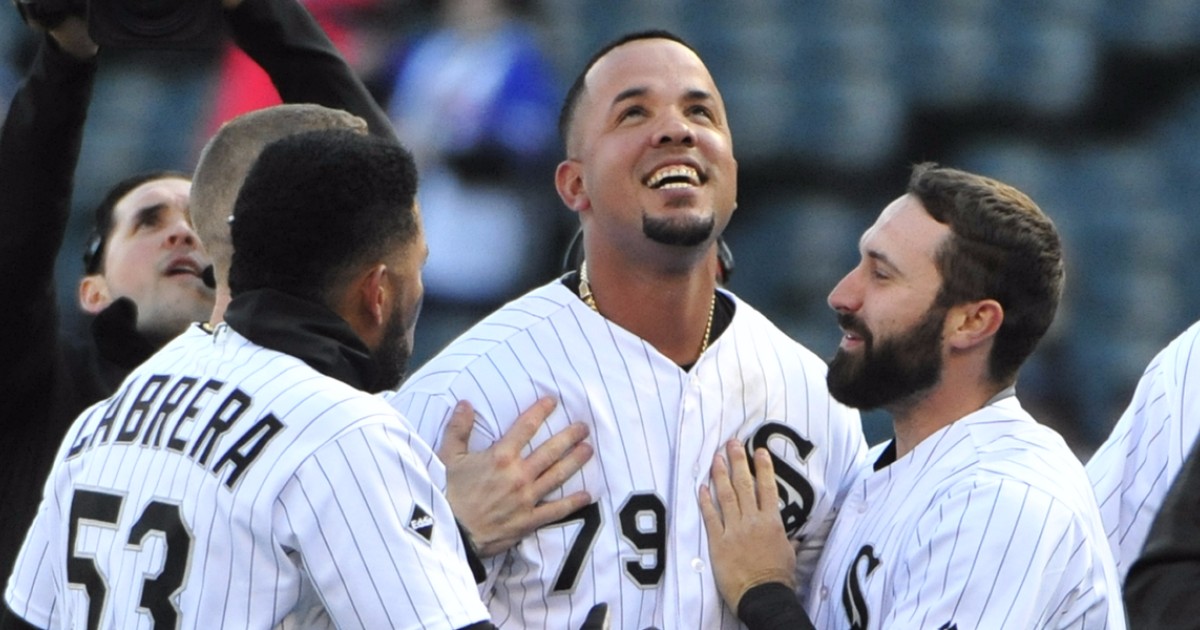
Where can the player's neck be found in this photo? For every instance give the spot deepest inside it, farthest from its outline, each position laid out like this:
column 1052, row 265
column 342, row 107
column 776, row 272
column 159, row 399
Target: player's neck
column 671, row 311
column 220, row 303
column 955, row 396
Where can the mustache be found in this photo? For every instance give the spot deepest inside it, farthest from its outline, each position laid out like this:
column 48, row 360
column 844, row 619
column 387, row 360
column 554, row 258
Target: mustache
column 852, row 324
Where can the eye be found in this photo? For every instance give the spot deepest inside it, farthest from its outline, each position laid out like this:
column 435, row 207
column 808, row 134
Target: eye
column 701, row 110
column 635, row 111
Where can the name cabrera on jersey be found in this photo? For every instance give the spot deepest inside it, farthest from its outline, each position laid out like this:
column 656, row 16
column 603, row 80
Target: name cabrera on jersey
column 228, row 485
column 987, row 523
column 641, row 546
column 1134, row 468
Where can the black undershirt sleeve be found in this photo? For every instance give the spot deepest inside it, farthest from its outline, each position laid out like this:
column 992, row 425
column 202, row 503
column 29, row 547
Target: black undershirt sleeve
column 772, row 606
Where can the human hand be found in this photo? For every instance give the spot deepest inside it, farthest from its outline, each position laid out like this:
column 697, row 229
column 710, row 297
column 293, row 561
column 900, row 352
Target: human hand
column 746, row 540
column 496, row 493
column 72, row 37
column 230, row 5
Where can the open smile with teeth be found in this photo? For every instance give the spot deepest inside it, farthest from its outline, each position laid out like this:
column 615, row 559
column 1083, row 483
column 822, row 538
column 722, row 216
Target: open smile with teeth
column 674, row 176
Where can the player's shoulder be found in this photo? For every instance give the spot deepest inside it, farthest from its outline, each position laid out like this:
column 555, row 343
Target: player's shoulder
column 753, row 328
column 1010, row 447
column 490, row 335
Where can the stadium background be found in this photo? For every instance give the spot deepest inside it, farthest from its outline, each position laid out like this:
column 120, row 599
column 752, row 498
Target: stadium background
column 1090, row 106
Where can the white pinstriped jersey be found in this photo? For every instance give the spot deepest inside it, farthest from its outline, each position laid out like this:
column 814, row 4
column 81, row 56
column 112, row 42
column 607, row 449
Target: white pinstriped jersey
column 1132, row 471
column 987, row 523
column 226, row 485
column 641, row 546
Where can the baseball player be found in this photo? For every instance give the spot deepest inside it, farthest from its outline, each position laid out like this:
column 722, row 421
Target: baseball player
column 974, row 515
column 240, row 478
column 1132, row 471
column 642, row 346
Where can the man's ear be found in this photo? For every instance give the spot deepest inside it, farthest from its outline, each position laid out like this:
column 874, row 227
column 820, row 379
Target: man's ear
column 365, row 302
column 94, row 294
column 974, row 323
column 568, row 179
column 374, row 293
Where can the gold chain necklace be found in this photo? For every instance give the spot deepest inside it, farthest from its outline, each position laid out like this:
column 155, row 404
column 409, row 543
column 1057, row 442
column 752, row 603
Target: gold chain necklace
column 585, row 294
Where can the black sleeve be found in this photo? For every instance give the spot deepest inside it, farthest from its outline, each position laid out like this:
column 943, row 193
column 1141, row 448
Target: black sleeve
column 10, row 621
column 284, row 39
column 772, row 606
column 1160, row 590
column 39, row 148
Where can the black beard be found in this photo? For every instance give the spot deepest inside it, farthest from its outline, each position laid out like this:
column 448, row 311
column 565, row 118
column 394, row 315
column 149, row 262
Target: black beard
column 900, row 367
column 391, row 359
column 686, row 233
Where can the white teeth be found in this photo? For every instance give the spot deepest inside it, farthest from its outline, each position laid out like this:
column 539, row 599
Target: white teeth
column 680, row 176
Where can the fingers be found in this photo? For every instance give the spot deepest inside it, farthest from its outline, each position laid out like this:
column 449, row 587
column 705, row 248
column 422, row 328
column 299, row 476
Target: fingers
column 526, row 426
column 552, row 451
column 551, row 511
column 742, row 480
column 563, row 465
column 764, row 479
column 457, row 432
column 727, row 499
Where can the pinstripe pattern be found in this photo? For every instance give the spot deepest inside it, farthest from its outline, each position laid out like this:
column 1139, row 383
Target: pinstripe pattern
column 1132, row 471
column 988, row 523
column 655, row 428
column 315, row 531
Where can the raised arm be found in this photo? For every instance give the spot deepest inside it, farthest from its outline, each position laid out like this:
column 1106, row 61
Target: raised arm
column 284, row 39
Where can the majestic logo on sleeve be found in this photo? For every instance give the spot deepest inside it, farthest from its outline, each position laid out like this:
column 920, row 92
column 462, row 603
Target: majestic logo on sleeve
column 421, row 523
column 852, row 598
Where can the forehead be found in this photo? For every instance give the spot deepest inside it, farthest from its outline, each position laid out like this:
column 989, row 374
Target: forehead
column 170, row 191
column 906, row 236
column 654, row 65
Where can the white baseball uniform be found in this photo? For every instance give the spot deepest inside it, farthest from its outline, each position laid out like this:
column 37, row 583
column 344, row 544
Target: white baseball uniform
column 226, row 485
column 641, row 546
column 987, row 523
column 1132, row 471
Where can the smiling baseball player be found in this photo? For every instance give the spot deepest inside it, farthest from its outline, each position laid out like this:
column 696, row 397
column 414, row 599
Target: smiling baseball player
column 641, row 346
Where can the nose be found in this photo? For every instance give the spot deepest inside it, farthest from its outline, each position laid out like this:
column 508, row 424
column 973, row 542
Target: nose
column 846, row 296
column 675, row 130
column 181, row 233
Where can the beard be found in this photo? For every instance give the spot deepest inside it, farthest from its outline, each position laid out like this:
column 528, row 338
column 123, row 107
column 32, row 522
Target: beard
column 391, row 359
column 686, row 232
column 900, row 367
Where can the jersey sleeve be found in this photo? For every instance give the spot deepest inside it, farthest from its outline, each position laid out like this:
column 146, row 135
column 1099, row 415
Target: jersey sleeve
column 376, row 536
column 998, row 554
column 1134, row 468
column 33, row 587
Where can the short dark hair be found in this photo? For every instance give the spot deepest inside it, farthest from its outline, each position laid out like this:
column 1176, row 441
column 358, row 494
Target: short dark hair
column 566, row 116
column 1002, row 247
column 317, row 204
column 93, row 250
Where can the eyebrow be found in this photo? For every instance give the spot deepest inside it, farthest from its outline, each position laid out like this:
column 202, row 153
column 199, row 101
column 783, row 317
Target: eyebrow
column 694, row 94
column 148, row 212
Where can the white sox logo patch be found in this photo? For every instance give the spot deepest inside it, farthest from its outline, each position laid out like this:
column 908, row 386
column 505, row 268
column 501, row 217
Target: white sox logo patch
column 852, row 598
column 421, row 523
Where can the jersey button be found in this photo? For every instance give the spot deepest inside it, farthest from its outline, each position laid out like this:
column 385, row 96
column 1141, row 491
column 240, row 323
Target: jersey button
column 862, row 508
column 697, row 565
column 824, row 592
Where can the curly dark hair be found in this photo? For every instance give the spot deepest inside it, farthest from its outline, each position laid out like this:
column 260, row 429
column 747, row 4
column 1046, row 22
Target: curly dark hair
column 318, row 204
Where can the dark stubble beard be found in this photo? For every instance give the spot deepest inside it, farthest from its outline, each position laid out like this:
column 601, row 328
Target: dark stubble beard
column 391, row 359
column 685, row 232
column 898, row 369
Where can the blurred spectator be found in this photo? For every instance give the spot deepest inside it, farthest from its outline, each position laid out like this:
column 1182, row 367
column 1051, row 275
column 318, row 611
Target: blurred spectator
column 476, row 100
